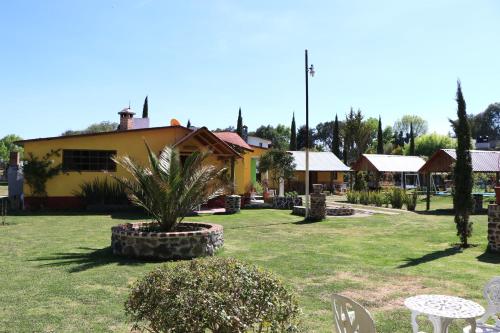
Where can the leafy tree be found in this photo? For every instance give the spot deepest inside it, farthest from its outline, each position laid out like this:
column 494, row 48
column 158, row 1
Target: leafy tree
column 239, row 125
column 357, row 135
column 278, row 163
column 412, row 141
column 293, row 134
column 7, row 145
column 169, row 189
column 279, row 135
column 403, row 125
column 188, row 125
column 486, row 122
column 145, row 112
column 380, row 137
column 301, row 138
column 322, row 136
column 387, row 134
column 336, row 138
column 428, row 144
column 462, row 172
column 103, row 126
column 227, row 129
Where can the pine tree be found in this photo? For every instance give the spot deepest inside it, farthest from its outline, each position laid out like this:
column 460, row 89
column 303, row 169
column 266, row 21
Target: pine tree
column 239, row 126
column 188, row 124
column 336, row 138
column 145, row 108
column 293, row 135
column 380, row 137
column 462, row 172
column 412, row 141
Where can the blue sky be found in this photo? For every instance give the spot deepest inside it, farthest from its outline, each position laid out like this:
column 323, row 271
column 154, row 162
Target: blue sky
column 67, row 64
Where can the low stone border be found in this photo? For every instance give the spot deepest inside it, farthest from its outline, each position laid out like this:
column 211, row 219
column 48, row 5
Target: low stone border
column 127, row 240
column 286, row 202
column 330, row 211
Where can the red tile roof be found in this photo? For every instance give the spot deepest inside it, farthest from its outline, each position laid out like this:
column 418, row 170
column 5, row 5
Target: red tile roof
column 233, row 139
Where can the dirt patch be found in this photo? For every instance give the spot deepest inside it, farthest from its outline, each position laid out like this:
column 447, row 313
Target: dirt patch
column 387, row 293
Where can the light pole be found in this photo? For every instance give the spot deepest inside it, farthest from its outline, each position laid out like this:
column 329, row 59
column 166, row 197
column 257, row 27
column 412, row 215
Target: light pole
column 308, row 71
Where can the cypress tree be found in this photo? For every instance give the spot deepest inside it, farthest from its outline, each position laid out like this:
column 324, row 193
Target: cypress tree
column 293, row 134
column 336, row 138
column 188, row 124
column 380, row 137
column 412, row 141
column 145, row 111
column 239, row 126
column 462, row 172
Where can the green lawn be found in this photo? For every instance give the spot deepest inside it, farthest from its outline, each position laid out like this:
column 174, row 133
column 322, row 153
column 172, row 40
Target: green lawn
column 57, row 273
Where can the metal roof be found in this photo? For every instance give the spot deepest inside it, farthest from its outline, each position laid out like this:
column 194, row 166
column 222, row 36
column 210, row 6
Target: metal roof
column 389, row 163
column 318, row 161
column 482, row 160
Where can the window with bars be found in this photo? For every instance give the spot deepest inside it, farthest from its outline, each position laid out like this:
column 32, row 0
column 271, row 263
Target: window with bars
column 88, row 160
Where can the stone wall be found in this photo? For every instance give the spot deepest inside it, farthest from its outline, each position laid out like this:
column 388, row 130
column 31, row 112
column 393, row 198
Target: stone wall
column 232, row 204
column 317, row 209
column 339, row 211
column 127, row 240
column 494, row 227
column 286, row 202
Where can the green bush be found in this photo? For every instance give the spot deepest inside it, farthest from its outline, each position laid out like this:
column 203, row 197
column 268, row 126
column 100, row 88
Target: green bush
column 353, row 197
column 411, row 201
column 377, row 198
column 359, row 182
column 397, row 197
column 212, row 295
column 364, row 197
column 103, row 192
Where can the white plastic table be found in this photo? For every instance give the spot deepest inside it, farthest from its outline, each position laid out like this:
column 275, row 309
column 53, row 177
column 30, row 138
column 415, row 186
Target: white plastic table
column 442, row 310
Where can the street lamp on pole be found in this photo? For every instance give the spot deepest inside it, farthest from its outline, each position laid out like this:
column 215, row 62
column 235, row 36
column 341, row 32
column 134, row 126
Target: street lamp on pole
column 308, row 71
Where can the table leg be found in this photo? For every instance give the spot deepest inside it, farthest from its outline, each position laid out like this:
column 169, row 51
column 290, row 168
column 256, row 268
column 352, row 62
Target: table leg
column 472, row 322
column 414, row 323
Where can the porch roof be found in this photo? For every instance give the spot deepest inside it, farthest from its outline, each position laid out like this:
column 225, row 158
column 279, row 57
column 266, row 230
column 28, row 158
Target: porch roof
column 318, row 161
column 388, row 163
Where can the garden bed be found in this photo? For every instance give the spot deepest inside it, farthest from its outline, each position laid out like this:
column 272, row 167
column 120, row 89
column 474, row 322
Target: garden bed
column 190, row 240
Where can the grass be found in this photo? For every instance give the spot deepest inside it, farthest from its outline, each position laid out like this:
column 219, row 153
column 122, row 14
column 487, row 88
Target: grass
column 58, row 275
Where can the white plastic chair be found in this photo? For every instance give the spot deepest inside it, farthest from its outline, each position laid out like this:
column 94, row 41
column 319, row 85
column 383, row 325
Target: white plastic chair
column 491, row 293
column 350, row 317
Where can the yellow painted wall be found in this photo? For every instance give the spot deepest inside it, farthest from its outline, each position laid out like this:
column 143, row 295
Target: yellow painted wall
column 242, row 177
column 125, row 143
column 323, row 176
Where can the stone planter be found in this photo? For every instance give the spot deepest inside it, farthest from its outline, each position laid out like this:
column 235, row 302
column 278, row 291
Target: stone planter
column 232, row 204
column 199, row 239
column 494, row 228
column 286, row 202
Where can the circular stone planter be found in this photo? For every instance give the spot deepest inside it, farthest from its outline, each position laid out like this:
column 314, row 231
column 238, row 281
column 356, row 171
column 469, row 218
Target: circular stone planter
column 199, row 239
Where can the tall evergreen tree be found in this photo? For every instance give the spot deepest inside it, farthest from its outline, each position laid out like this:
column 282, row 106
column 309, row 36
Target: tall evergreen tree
column 145, row 111
column 336, row 138
column 412, row 141
column 380, row 137
column 462, row 172
column 293, row 134
column 188, row 124
column 239, row 126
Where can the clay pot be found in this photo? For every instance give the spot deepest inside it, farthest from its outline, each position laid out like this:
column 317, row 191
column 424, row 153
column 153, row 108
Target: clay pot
column 497, row 193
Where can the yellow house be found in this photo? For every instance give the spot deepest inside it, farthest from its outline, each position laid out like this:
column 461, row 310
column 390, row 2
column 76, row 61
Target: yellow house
column 85, row 157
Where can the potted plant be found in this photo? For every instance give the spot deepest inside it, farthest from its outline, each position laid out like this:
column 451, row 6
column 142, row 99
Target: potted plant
column 168, row 190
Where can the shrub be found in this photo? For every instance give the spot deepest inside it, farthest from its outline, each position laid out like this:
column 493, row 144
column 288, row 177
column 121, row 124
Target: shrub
column 397, row 197
column 103, row 192
column 212, row 295
column 353, row 197
column 378, row 198
column 359, row 182
column 364, row 197
column 411, row 201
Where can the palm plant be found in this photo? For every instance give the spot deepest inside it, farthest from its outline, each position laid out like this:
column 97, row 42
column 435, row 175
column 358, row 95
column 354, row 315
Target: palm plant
column 169, row 189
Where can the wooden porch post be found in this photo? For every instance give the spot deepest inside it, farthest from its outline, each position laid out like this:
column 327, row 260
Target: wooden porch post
column 403, row 181
column 428, row 199
column 233, row 185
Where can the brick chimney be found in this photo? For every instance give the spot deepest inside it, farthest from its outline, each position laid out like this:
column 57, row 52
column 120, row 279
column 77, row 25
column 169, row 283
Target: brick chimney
column 126, row 119
column 14, row 159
